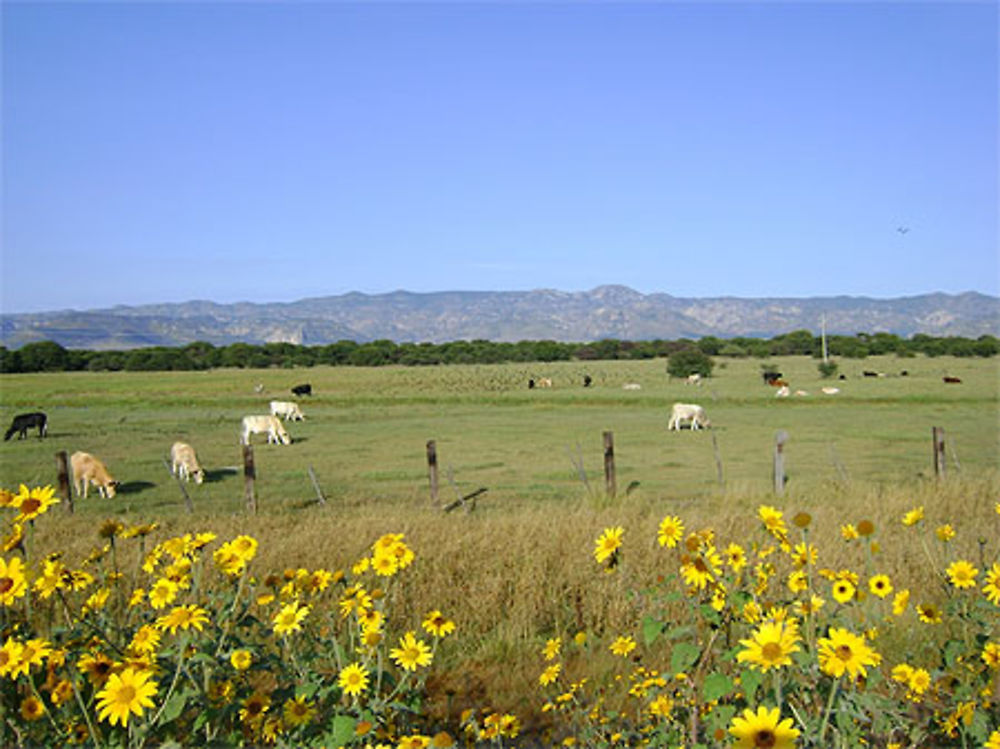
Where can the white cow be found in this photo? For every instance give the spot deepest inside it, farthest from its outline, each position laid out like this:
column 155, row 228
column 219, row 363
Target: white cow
column 688, row 412
column 287, row 410
column 693, row 379
column 831, row 390
column 264, row 423
column 783, row 392
column 184, row 463
column 89, row 470
column 631, row 386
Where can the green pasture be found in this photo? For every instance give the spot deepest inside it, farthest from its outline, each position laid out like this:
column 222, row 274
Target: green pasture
column 366, row 430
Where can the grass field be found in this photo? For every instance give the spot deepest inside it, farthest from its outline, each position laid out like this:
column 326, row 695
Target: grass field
column 366, row 430
column 520, row 568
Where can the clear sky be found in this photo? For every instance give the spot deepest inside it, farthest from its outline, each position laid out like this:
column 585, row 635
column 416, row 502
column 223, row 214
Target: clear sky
column 158, row 152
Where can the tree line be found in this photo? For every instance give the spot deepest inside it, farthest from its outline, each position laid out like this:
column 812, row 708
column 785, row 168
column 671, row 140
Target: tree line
column 48, row 356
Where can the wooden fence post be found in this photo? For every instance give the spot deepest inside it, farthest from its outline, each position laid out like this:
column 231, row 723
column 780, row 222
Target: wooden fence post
column 320, row 497
column 779, row 462
column 62, row 472
column 937, row 433
column 249, row 475
column 609, row 464
column 432, row 469
column 718, row 462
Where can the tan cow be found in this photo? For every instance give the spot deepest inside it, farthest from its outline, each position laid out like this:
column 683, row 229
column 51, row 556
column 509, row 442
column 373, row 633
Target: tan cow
column 287, row 410
column 687, row 412
column 184, row 463
column 89, row 470
column 264, row 423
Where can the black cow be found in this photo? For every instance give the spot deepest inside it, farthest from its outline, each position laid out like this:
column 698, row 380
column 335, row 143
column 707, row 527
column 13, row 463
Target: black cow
column 304, row 389
column 869, row 373
column 531, row 384
column 770, row 377
column 587, row 380
column 23, row 422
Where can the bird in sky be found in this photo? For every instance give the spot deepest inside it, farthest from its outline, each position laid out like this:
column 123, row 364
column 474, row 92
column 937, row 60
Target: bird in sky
column 902, row 229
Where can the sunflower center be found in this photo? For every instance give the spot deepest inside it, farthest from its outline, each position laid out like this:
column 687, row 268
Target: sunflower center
column 126, row 694
column 6, row 584
column 844, row 652
column 30, row 506
column 765, row 738
column 771, row 651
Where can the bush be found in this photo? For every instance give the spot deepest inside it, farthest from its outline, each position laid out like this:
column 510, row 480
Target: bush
column 689, row 362
column 827, row 369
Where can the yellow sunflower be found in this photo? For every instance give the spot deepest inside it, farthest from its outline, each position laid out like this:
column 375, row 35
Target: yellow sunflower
column 550, row 674
column 773, row 520
column 145, row 640
column 183, row 617
column 411, row 653
column 290, row 618
column 770, row 646
column 552, row 648
column 125, row 694
column 880, row 585
column 163, row 593
column 622, row 646
column 962, row 574
column 991, row 586
column 845, row 652
column 10, row 656
column 353, row 679
column 32, row 708
column 608, row 543
column 438, row 624
column 671, row 531
column 13, row 583
column 97, row 667
column 31, row 503
column 254, row 708
column 241, row 659
column 914, row 516
column 843, row 591
column 297, row 712
column 765, row 728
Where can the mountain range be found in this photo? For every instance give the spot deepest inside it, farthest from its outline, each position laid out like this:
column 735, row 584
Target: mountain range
column 604, row 312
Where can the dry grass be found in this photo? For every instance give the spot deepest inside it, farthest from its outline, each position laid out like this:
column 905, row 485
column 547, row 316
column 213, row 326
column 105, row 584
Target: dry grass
column 511, row 578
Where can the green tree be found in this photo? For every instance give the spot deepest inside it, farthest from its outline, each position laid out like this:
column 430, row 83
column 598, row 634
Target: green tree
column 688, row 362
column 43, row 356
column 827, row 369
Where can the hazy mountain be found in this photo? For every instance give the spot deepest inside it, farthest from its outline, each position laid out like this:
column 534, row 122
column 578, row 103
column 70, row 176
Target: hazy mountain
column 605, row 312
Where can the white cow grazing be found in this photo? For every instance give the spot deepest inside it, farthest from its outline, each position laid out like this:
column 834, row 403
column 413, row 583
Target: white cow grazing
column 688, row 412
column 693, row 379
column 631, row 386
column 184, row 463
column 89, row 470
column 264, row 424
column 783, row 392
column 831, row 390
column 287, row 410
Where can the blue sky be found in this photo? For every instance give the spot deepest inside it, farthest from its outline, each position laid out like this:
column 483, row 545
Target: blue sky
column 157, row 152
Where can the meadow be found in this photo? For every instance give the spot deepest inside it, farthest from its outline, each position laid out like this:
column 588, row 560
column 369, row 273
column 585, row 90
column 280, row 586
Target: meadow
column 519, row 570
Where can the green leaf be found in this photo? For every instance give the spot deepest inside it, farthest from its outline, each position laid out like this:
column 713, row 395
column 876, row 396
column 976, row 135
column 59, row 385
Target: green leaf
column 750, row 680
column 683, row 657
column 651, row 629
column 676, row 633
column 716, row 686
column 341, row 730
column 952, row 650
column 175, row 705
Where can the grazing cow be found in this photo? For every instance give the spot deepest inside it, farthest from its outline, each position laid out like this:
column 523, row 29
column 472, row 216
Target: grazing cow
column 287, row 410
column 904, row 373
column 89, row 470
column 801, row 393
column 693, row 379
column 631, row 386
column 184, row 463
column 769, row 377
column 777, row 383
column 268, row 424
column 23, row 422
column 952, row 380
column 783, row 392
column 842, row 377
column 544, row 382
column 868, row 373
column 831, row 390
column 303, row 389
column 531, row 384
column 587, row 380
column 687, row 412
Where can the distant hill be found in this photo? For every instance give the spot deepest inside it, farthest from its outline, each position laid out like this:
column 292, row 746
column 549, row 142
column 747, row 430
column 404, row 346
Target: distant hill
column 604, row 312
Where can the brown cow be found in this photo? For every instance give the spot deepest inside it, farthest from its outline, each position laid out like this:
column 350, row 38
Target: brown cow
column 89, row 470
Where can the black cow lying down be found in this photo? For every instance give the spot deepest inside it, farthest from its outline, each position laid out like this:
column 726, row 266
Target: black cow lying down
column 304, row 389
column 23, row 422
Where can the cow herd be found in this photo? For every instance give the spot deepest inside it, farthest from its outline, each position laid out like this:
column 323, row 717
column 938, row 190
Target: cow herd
column 88, row 470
